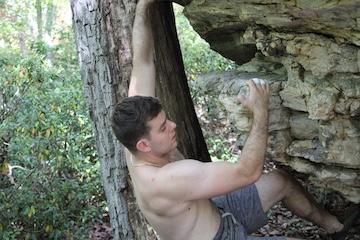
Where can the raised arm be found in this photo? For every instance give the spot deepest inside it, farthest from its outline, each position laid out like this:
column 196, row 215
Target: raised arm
column 189, row 180
column 142, row 81
column 253, row 153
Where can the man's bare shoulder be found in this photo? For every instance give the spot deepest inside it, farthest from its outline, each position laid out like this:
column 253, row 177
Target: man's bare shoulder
column 156, row 179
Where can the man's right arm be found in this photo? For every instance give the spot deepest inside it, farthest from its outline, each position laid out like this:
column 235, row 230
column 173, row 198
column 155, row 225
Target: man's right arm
column 142, row 80
column 190, row 179
column 254, row 150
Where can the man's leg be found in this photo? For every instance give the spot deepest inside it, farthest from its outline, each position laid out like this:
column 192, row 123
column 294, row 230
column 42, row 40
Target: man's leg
column 279, row 186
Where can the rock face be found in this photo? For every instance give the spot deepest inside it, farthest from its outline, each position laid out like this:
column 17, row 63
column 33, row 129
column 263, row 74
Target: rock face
column 309, row 51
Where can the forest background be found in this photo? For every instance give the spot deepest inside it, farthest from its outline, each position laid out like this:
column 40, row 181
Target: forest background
column 50, row 184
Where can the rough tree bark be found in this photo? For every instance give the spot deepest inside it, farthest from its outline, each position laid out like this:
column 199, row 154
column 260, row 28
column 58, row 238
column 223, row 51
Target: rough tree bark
column 173, row 89
column 103, row 37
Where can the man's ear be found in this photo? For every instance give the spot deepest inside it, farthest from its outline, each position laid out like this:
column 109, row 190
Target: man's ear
column 143, row 145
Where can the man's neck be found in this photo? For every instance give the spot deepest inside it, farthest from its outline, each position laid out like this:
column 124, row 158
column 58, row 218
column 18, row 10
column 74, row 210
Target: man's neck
column 139, row 162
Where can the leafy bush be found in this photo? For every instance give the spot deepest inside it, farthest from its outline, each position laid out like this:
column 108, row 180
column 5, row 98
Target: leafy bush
column 198, row 57
column 50, row 186
column 50, row 183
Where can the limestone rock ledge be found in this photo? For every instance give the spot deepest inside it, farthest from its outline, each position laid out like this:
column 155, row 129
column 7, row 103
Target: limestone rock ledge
column 309, row 51
column 327, row 150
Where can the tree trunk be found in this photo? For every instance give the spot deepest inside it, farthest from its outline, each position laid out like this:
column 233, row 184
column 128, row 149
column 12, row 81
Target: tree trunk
column 172, row 87
column 49, row 24
column 103, row 36
column 22, row 41
column 50, row 17
column 39, row 19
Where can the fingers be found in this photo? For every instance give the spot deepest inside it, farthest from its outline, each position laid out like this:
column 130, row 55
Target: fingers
column 257, row 85
column 241, row 99
column 257, row 82
column 257, row 94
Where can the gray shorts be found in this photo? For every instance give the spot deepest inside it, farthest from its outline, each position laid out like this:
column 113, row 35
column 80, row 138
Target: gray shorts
column 242, row 215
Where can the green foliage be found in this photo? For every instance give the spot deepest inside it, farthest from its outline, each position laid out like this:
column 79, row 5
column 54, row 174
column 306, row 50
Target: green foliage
column 197, row 55
column 50, row 185
column 221, row 151
column 14, row 18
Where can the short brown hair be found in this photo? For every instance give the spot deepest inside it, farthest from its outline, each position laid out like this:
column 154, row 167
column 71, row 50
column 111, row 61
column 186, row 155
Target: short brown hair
column 130, row 119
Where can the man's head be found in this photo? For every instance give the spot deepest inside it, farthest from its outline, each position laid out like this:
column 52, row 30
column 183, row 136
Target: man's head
column 130, row 119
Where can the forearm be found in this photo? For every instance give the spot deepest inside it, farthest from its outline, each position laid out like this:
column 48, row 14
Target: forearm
column 143, row 73
column 253, row 153
column 143, row 42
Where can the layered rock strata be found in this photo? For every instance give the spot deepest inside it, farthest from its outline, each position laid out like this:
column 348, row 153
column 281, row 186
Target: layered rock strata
column 309, row 51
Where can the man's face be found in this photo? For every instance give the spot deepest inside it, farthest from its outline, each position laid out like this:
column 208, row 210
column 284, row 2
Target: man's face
column 162, row 134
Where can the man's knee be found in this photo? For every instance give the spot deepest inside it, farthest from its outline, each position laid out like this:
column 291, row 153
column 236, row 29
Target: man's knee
column 273, row 187
column 283, row 179
column 282, row 174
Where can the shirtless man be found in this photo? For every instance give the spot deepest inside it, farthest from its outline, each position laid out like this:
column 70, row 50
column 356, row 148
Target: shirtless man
column 189, row 199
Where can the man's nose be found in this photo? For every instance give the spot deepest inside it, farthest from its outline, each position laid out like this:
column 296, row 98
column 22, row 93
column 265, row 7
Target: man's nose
column 173, row 125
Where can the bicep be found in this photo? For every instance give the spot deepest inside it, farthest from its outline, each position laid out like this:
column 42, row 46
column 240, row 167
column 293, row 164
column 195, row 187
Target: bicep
column 194, row 180
column 142, row 81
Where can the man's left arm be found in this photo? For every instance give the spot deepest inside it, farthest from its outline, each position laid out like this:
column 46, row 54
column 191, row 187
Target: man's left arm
column 142, row 80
